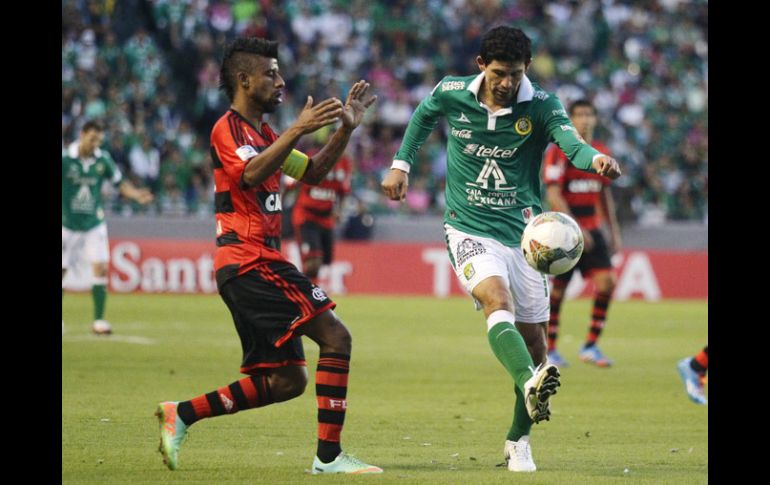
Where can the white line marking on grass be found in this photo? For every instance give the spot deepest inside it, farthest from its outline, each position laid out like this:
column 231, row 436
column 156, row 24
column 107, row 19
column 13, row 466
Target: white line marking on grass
column 128, row 339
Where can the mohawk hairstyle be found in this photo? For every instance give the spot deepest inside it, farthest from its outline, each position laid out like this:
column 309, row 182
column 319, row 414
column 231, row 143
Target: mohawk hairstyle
column 505, row 44
column 238, row 57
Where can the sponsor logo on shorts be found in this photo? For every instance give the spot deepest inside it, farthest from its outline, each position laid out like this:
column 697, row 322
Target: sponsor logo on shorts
column 467, row 249
column 468, row 271
column 319, row 294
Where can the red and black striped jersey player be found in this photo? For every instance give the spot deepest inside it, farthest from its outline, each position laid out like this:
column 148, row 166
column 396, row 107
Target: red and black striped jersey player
column 587, row 197
column 272, row 303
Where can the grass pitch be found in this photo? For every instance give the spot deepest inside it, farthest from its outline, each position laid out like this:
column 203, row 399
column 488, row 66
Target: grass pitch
column 428, row 401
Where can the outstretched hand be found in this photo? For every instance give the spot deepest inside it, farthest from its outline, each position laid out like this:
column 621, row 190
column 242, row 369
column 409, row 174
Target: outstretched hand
column 607, row 166
column 355, row 105
column 324, row 113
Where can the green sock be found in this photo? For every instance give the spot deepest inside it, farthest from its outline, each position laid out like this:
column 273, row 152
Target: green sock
column 99, row 293
column 522, row 423
column 511, row 350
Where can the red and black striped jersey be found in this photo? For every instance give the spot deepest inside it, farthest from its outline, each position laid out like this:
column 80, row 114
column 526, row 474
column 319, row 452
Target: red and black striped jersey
column 315, row 203
column 248, row 218
column 580, row 189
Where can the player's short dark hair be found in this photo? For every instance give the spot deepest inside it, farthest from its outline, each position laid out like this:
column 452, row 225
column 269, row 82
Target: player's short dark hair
column 581, row 103
column 239, row 57
column 92, row 125
column 505, row 44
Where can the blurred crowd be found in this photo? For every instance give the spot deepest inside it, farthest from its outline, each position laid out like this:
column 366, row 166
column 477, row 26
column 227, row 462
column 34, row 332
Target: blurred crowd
column 149, row 70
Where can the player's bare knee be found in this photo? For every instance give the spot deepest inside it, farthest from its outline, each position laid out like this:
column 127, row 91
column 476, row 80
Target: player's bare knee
column 493, row 294
column 497, row 299
column 605, row 283
column 288, row 384
column 329, row 333
column 342, row 340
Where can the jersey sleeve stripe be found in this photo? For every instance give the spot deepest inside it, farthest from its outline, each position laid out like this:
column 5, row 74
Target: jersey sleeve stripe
column 234, row 130
column 223, row 202
column 215, row 161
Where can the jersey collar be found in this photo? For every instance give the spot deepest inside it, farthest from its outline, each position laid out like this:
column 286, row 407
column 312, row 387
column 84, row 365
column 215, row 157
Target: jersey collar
column 526, row 91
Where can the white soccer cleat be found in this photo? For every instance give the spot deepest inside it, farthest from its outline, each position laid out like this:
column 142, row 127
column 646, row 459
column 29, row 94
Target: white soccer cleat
column 518, row 455
column 101, row 327
column 539, row 389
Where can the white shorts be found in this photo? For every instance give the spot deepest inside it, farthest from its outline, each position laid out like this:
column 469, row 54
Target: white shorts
column 476, row 258
column 91, row 246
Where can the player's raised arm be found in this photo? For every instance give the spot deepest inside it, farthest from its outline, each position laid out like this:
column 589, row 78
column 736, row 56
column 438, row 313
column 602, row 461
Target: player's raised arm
column 310, row 119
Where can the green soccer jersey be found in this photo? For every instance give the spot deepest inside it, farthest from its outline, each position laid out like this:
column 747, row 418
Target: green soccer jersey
column 493, row 159
column 81, row 187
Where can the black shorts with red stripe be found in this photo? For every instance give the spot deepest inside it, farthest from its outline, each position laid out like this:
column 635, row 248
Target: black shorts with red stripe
column 598, row 258
column 268, row 304
column 315, row 241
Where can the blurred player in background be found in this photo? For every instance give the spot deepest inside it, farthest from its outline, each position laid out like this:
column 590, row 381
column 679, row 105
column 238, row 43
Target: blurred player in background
column 500, row 124
column 588, row 199
column 271, row 302
column 315, row 214
column 84, row 169
column 693, row 372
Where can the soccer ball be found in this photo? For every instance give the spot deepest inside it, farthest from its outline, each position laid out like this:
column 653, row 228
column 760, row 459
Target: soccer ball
column 552, row 243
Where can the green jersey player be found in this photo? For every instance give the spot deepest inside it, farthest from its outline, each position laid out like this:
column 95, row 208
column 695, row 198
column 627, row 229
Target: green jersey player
column 84, row 168
column 499, row 126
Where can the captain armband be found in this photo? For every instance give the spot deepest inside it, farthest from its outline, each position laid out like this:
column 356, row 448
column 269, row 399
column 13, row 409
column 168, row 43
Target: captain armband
column 295, row 164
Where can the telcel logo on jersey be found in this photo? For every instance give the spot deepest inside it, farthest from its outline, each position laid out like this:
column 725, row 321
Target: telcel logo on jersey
column 495, row 152
column 461, row 133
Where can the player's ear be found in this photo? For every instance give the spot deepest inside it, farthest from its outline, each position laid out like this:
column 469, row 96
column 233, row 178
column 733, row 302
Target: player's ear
column 480, row 62
column 243, row 80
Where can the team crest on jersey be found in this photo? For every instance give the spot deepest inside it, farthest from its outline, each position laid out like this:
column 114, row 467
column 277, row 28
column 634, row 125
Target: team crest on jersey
column 319, row 294
column 526, row 213
column 467, row 249
column 99, row 169
column 469, row 271
column 523, row 126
